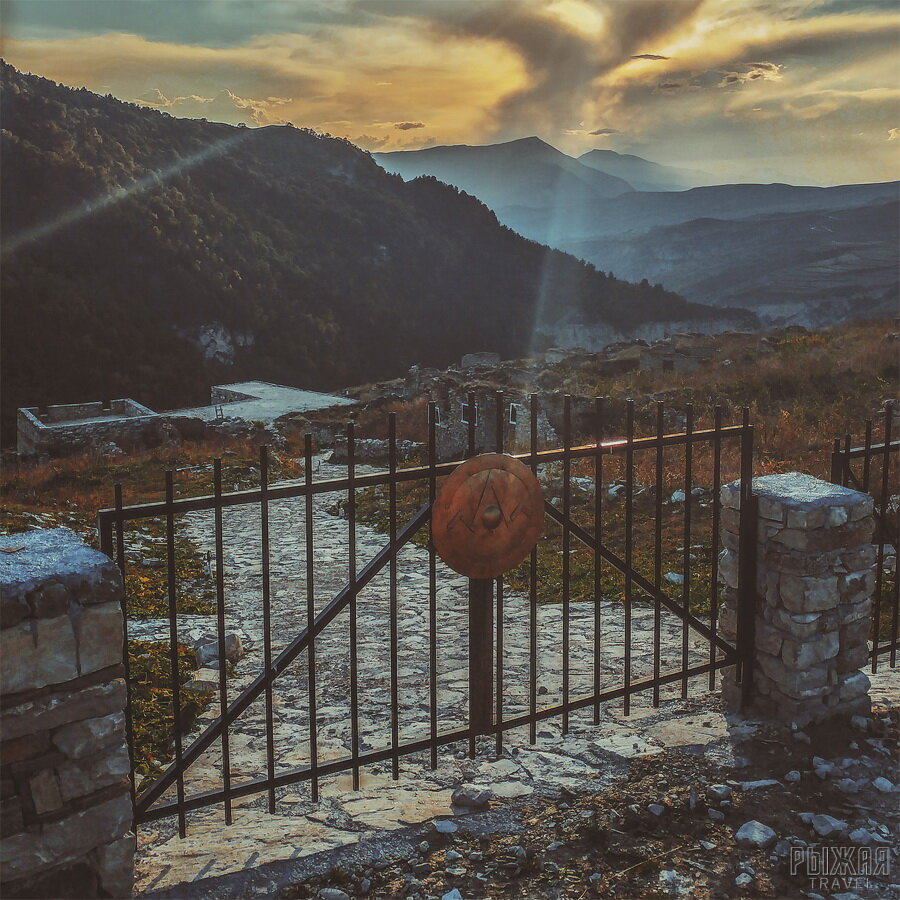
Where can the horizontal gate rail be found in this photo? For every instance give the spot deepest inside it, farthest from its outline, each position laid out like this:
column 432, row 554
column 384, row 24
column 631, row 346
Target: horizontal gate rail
column 345, row 763
column 413, row 473
column 282, row 661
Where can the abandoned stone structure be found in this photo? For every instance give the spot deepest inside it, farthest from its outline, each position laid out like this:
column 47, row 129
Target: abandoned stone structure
column 110, row 425
column 64, row 764
column 815, row 577
column 58, row 430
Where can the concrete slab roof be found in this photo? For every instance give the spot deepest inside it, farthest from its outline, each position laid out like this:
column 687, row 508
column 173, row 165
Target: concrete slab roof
column 269, row 401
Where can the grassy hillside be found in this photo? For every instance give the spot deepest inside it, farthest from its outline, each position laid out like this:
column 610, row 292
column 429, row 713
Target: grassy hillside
column 150, row 256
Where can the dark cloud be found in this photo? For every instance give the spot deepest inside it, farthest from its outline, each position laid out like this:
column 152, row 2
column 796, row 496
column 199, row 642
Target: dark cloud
column 606, row 131
column 406, row 126
column 756, row 71
column 561, row 62
column 649, row 56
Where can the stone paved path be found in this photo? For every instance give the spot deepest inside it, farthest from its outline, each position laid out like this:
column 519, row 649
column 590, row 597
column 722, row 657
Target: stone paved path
column 342, row 816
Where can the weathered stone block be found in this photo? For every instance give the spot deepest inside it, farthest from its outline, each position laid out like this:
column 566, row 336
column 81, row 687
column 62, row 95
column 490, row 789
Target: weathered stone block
column 61, row 707
column 857, row 586
column 769, row 639
column 26, row 747
column 728, row 568
column 854, row 634
column 99, row 634
column 855, row 686
column 799, row 625
column 115, row 866
column 37, row 652
column 44, row 790
column 796, row 683
column 806, row 518
column 49, row 600
column 852, row 658
column 772, row 509
column 81, row 738
column 810, row 652
column 802, row 593
column 854, row 612
column 24, row 854
column 79, row 778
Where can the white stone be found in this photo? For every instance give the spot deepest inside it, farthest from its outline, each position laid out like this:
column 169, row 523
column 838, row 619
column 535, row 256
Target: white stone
column 826, row 826
column 753, row 835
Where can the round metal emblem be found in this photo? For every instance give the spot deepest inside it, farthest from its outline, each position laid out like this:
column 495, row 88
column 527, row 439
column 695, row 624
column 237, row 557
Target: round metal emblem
column 488, row 516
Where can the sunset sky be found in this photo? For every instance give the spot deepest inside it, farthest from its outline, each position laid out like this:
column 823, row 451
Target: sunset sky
column 806, row 91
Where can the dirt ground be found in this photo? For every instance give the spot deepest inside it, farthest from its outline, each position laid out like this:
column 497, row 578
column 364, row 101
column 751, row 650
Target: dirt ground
column 668, row 829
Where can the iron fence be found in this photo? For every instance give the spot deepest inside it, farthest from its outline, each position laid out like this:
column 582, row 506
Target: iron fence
column 612, row 528
column 870, row 466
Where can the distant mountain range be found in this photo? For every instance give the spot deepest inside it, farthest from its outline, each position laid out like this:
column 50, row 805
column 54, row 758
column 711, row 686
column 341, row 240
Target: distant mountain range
column 150, row 256
column 642, row 174
column 527, row 172
column 793, row 253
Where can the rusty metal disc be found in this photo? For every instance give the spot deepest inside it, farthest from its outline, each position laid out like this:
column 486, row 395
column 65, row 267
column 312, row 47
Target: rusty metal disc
column 488, row 516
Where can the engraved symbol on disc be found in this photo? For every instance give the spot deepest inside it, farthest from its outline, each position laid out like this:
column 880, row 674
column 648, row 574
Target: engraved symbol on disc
column 488, row 516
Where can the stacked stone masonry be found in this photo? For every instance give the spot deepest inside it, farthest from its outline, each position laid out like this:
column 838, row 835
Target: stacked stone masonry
column 815, row 578
column 66, row 809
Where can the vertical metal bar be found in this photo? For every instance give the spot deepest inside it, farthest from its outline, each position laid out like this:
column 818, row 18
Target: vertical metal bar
column 432, row 585
column 220, row 634
column 884, row 500
column 837, row 463
column 566, row 551
column 473, row 412
column 747, row 597
column 392, row 513
column 598, row 537
column 173, row 647
column 310, row 618
column 895, row 590
column 354, row 637
column 716, row 520
column 867, row 456
column 657, row 549
column 629, row 546
column 267, row 619
column 686, row 548
column 499, row 591
column 532, row 591
column 120, row 562
column 481, row 642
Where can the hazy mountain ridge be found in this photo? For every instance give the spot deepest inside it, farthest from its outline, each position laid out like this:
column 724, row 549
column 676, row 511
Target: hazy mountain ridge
column 727, row 244
column 527, row 171
column 130, row 236
column 642, row 174
column 821, row 263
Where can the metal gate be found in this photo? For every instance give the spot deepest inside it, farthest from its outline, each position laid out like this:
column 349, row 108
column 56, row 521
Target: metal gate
column 593, row 629
column 871, row 467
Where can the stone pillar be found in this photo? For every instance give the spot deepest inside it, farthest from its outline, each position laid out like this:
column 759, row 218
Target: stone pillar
column 815, row 579
column 66, row 809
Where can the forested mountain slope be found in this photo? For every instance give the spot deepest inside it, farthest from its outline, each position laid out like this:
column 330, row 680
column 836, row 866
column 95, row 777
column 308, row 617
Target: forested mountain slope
column 150, row 256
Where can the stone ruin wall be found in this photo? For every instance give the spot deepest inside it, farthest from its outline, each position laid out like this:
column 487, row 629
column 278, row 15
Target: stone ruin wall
column 66, row 808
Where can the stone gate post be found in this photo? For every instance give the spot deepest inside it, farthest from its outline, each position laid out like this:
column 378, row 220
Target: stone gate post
column 815, row 576
column 66, row 808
